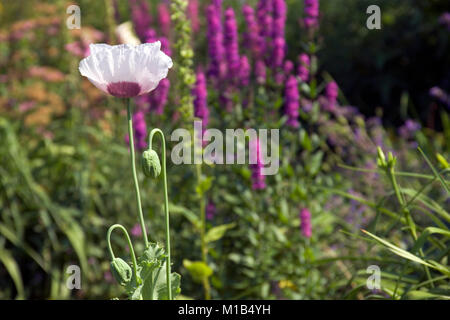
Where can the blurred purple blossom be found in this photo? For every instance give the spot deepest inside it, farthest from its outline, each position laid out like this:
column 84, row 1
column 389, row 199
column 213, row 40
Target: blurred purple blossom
column 252, row 38
column 292, row 104
column 140, row 15
column 444, row 19
column 216, row 50
column 303, row 67
column 200, row 94
column 311, row 10
column 164, row 18
column 192, row 12
column 210, row 210
column 279, row 18
column 305, row 222
column 231, row 44
column 260, row 71
column 258, row 179
column 331, row 92
column 244, row 71
column 140, row 130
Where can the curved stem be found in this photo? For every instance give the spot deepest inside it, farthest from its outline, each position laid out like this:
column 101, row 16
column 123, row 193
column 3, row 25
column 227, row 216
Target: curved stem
column 133, row 165
column 111, row 252
column 166, row 204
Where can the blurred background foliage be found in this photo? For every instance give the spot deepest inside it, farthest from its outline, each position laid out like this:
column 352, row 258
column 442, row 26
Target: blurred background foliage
column 65, row 174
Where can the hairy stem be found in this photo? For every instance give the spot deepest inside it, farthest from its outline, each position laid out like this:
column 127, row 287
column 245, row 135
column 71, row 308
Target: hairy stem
column 133, row 166
column 166, row 205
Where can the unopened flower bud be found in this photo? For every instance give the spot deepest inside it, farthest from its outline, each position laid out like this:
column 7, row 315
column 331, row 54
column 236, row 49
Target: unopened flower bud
column 151, row 164
column 121, row 271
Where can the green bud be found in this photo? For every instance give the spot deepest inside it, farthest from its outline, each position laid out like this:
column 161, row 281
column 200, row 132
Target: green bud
column 121, row 271
column 151, row 164
column 381, row 158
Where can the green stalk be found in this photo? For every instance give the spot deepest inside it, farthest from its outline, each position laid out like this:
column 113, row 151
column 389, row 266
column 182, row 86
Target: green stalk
column 407, row 213
column 111, row 252
column 133, row 166
column 204, row 246
column 166, row 205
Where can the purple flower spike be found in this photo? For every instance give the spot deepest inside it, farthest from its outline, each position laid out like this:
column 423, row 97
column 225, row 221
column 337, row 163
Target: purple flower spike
column 216, row 50
column 305, row 223
column 292, row 102
column 231, row 43
column 311, row 11
column 140, row 17
column 278, row 52
column 279, row 18
column 164, row 18
column 192, row 10
column 332, row 92
column 140, row 131
column 258, row 179
column 244, row 71
column 200, row 94
column 253, row 40
column 158, row 99
column 260, row 72
column 210, row 210
column 303, row 67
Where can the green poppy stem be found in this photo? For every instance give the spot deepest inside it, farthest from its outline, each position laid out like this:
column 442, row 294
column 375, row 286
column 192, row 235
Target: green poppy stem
column 166, row 204
column 133, row 165
column 130, row 244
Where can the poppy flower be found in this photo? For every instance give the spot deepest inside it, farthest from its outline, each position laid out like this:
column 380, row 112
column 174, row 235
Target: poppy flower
column 126, row 70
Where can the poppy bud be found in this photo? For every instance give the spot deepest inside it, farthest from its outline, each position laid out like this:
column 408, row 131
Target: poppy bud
column 121, row 271
column 151, row 164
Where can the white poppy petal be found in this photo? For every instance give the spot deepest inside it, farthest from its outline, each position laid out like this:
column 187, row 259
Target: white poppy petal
column 126, row 70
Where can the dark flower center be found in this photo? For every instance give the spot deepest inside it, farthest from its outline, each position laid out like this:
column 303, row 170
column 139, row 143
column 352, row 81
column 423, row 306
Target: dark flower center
column 124, row 89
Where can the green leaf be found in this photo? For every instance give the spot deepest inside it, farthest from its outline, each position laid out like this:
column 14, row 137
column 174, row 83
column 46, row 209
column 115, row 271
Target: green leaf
column 13, row 269
column 198, row 270
column 218, row 232
column 407, row 255
column 435, row 172
column 188, row 214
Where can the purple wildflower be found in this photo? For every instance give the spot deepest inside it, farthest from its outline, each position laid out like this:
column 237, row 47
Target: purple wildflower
column 440, row 95
column 136, row 231
column 292, row 104
column 192, row 12
column 409, row 129
column 200, row 94
column 264, row 17
column 305, row 225
column 231, row 43
column 258, row 179
column 260, row 71
column 158, row 98
column 444, row 19
column 210, row 210
column 332, row 92
column 140, row 15
column 303, row 67
column 278, row 52
column 140, row 131
column 253, row 40
column 216, row 50
column 279, row 18
column 311, row 11
column 164, row 19
column 244, row 71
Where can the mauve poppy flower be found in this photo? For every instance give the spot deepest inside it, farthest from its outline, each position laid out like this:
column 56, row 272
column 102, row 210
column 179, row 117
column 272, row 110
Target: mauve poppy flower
column 126, row 71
